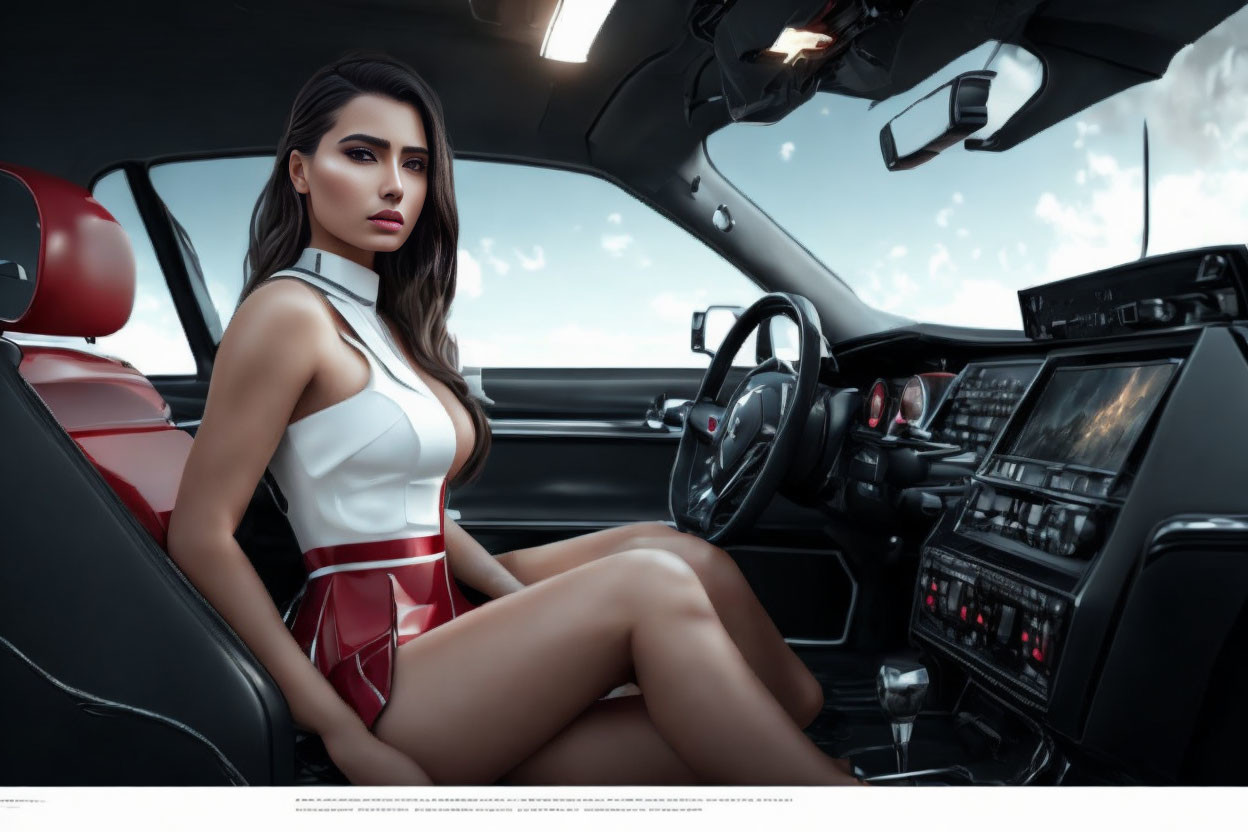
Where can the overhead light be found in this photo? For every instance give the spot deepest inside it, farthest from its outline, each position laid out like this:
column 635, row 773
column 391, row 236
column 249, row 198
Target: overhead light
column 792, row 43
column 572, row 29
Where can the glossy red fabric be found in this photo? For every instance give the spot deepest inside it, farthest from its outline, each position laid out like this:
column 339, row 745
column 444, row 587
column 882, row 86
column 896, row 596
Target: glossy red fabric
column 350, row 623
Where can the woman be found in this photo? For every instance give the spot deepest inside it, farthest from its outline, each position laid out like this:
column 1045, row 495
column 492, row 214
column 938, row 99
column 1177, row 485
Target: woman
column 338, row 373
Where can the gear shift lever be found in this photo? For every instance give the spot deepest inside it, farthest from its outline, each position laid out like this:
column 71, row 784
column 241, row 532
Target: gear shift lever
column 902, row 686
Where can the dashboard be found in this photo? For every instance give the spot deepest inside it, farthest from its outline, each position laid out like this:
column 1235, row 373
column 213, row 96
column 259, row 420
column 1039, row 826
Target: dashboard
column 1037, row 479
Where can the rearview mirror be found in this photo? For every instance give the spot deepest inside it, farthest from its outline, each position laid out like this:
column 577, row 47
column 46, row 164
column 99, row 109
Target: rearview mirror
column 940, row 119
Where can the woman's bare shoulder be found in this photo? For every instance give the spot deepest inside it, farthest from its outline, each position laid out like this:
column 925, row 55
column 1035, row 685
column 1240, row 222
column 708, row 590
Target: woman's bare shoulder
column 281, row 310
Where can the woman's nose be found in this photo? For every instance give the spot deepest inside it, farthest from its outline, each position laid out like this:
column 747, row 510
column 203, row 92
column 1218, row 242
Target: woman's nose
column 392, row 185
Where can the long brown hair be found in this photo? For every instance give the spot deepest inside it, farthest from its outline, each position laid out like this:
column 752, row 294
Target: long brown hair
column 417, row 281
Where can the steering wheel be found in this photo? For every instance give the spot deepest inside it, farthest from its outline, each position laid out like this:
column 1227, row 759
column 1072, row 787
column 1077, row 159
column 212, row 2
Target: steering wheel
column 734, row 455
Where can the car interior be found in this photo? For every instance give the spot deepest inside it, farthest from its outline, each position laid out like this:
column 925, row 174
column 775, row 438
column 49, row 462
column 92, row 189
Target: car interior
column 1011, row 557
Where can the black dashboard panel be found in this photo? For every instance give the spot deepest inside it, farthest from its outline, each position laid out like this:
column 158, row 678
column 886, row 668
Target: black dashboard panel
column 1186, row 288
column 1047, row 493
column 981, row 400
column 1052, row 468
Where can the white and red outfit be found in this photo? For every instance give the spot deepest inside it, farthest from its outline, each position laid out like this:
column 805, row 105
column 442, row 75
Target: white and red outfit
column 365, row 486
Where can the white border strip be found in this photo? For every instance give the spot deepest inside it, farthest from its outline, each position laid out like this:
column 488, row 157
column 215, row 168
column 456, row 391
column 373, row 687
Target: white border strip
column 373, row 564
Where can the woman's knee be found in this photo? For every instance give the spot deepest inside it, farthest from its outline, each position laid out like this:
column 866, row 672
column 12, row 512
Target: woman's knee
column 652, row 575
column 716, row 568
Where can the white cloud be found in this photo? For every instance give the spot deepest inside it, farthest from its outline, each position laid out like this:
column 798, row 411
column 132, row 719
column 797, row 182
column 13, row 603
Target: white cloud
column 786, row 151
column 963, row 233
column 957, row 197
column 896, row 252
column 1093, row 228
column 824, row 111
column 985, row 303
column 942, row 217
column 645, row 262
column 1181, row 210
column 940, row 264
column 467, row 275
column 678, row 307
column 576, row 345
column 531, row 264
column 614, row 218
column 499, row 265
column 614, row 244
column 975, row 253
column 1084, row 129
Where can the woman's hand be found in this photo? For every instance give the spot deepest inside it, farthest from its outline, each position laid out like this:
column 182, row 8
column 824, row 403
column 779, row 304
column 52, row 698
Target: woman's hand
column 367, row 761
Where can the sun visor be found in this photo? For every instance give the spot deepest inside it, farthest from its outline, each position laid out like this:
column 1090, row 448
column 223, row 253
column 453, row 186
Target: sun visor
column 1089, row 60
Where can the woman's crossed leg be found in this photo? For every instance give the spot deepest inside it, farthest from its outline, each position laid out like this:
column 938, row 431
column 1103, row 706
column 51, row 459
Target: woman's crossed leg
column 743, row 616
column 477, row 697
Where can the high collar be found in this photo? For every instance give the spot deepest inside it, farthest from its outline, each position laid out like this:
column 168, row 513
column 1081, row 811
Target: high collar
column 349, row 275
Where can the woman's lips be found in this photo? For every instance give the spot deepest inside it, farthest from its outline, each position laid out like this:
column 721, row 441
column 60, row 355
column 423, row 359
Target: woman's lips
column 387, row 225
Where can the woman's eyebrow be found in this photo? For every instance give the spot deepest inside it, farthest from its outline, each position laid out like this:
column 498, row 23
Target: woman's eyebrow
column 382, row 143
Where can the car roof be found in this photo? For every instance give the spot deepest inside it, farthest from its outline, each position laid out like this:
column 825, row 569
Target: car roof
column 91, row 84
column 99, row 83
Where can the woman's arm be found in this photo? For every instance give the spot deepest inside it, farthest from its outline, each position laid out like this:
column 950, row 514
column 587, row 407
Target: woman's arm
column 472, row 564
column 267, row 357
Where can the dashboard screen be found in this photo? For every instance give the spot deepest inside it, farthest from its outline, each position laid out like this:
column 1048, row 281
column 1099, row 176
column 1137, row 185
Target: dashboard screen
column 1091, row 416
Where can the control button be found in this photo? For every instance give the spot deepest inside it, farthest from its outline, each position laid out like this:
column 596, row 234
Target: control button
column 1005, row 624
column 954, row 598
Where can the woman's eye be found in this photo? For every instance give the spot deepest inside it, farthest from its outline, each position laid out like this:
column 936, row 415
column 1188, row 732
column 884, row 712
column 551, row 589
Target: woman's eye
column 420, row 164
column 355, row 150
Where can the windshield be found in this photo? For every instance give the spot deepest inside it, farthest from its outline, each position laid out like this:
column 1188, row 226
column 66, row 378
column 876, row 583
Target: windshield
column 953, row 240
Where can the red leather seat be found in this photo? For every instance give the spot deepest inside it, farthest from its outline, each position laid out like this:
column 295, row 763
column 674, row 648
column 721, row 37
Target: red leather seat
column 85, row 286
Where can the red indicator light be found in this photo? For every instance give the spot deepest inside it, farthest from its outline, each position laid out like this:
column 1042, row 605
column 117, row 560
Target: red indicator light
column 711, row 423
column 1037, row 655
column 963, row 613
column 933, row 586
column 1026, row 638
column 931, row 601
column 979, row 619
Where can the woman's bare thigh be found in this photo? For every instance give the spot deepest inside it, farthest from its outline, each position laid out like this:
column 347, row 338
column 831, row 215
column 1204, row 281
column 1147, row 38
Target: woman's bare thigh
column 537, row 563
column 474, row 697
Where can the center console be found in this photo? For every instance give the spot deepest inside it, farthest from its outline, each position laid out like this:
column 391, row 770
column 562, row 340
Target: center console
column 997, row 577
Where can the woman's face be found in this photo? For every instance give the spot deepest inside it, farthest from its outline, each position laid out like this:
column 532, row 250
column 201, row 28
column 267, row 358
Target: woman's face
column 374, row 160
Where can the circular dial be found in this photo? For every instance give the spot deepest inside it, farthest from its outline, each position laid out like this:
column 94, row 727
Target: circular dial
column 913, row 401
column 877, row 404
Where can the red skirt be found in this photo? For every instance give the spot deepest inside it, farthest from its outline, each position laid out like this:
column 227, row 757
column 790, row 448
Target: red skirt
column 363, row 600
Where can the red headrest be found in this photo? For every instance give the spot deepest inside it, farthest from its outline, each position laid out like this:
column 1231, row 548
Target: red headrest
column 84, row 283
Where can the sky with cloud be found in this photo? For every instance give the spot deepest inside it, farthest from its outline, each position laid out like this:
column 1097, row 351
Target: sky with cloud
column 953, row 241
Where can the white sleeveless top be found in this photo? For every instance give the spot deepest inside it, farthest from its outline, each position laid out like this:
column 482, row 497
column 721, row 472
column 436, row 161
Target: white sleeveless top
column 370, row 467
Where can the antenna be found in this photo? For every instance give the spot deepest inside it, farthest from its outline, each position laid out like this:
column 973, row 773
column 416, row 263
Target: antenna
column 1144, row 242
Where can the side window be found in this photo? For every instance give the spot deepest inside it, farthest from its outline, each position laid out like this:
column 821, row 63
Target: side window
column 152, row 339
column 562, row 269
column 213, row 199
column 556, row 269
